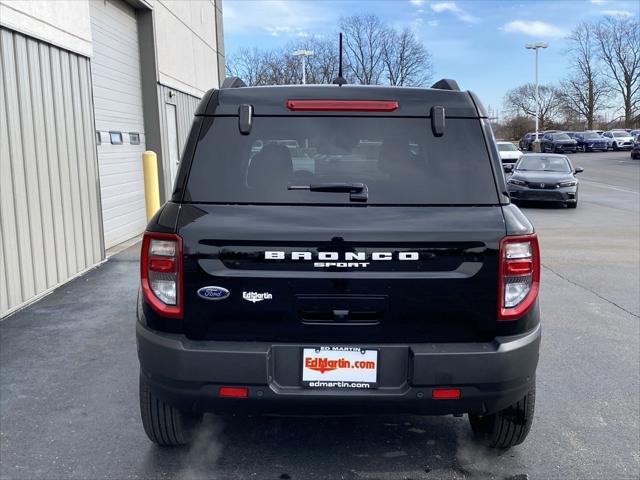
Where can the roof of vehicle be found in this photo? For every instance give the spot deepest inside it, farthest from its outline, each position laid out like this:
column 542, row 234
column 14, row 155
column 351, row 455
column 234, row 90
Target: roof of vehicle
column 412, row 102
column 540, row 154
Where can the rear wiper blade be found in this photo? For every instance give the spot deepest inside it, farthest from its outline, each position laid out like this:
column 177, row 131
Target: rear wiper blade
column 358, row 192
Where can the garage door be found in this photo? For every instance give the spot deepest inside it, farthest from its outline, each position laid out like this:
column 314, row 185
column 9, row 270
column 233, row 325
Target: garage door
column 117, row 97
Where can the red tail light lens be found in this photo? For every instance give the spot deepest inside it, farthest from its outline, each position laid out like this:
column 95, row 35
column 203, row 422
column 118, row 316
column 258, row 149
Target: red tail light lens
column 161, row 272
column 342, row 105
column 445, row 393
column 235, row 392
column 518, row 275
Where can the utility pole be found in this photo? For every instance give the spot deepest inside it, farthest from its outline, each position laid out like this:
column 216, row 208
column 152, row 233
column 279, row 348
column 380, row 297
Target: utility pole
column 304, row 54
column 536, row 46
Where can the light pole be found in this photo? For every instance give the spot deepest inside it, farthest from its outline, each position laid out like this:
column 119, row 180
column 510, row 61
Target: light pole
column 536, row 46
column 304, row 54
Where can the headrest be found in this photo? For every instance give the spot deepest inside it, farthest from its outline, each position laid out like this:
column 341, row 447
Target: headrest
column 394, row 155
column 271, row 168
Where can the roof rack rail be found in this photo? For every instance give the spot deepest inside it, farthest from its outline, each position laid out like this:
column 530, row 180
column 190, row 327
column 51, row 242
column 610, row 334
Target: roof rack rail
column 233, row 82
column 446, row 84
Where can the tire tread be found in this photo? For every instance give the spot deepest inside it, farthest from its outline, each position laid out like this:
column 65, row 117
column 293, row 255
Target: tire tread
column 506, row 428
column 163, row 424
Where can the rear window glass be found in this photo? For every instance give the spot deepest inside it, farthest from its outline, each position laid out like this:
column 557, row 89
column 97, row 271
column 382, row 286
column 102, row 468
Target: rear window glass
column 398, row 159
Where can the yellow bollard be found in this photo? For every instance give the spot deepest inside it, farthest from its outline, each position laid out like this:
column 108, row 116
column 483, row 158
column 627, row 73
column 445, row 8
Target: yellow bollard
column 151, row 187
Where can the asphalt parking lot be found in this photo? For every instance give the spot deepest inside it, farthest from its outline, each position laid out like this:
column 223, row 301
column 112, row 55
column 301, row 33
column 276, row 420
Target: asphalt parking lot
column 69, row 373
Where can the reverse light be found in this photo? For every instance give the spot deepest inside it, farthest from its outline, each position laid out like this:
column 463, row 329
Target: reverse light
column 518, row 275
column 161, row 272
column 342, row 105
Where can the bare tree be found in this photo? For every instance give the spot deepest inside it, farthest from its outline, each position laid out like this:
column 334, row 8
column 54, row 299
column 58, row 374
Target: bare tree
column 406, row 61
column 522, row 100
column 265, row 67
column 364, row 38
column 281, row 68
column 585, row 92
column 322, row 66
column 618, row 41
column 373, row 54
column 248, row 64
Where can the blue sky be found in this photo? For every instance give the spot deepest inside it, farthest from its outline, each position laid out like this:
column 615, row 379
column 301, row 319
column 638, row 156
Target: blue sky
column 480, row 43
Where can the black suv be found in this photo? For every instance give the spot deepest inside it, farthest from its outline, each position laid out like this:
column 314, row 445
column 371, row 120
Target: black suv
column 325, row 250
column 558, row 143
column 526, row 142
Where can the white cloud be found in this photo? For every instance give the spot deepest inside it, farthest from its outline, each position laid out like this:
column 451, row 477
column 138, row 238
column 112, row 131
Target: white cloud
column 276, row 17
column 451, row 7
column 618, row 13
column 598, row 2
column 534, row 28
column 417, row 3
column 433, row 23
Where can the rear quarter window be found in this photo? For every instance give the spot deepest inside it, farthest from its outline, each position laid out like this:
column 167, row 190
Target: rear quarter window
column 399, row 159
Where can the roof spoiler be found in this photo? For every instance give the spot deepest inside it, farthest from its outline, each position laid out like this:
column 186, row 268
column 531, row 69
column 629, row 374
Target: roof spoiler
column 233, row 82
column 446, row 84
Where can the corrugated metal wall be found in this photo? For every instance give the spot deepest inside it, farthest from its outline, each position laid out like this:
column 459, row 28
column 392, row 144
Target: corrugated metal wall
column 185, row 108
column 49, row 205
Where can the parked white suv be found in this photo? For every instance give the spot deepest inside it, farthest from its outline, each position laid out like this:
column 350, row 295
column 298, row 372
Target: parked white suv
column 619, row 139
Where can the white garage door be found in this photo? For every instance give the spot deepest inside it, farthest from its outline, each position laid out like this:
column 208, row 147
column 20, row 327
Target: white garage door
column 117, row 97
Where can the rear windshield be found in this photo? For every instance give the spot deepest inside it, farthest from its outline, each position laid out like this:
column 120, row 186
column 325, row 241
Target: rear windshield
column 398, row 159
column 507, row 147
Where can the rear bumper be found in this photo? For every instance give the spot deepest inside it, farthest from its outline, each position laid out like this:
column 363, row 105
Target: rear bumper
column 188, row 374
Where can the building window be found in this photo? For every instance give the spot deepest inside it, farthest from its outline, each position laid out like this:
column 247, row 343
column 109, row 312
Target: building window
column 134, row 138
column 98, row 138
column 116, row 138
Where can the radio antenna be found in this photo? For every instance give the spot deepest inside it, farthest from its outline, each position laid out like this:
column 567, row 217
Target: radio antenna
column 340, row 80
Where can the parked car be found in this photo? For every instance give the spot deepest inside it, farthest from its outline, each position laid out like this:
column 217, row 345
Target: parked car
column 635, row 132
column 619, row 139
column 544, row 178
column 591, row 141
column 526, row 142
column 339, row 290
column 509, row 153
column 635, row 150
column 558, row 142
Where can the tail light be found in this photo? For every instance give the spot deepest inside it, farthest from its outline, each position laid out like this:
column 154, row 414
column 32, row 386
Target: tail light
column 519, row 275
column 342, row 105
column 161, row 272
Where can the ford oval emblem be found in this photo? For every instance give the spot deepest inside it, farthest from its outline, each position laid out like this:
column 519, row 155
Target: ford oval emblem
column 213, row 293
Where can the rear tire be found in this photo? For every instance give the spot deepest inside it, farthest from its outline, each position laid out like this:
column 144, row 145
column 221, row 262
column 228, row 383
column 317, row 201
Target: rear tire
column 506, row 428
column 165, row 425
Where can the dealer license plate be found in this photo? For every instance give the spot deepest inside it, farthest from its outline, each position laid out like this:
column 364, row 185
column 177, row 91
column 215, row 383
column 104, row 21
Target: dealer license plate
column 339, row 367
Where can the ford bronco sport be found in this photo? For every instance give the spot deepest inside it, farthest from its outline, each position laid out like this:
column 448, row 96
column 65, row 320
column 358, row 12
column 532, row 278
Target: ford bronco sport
column 339, row 249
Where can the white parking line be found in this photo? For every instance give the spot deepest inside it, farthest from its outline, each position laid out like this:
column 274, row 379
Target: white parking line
column 610, row 187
